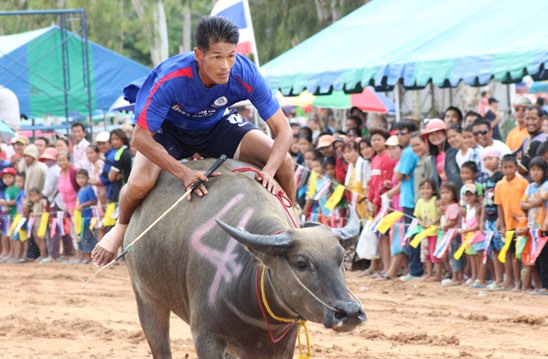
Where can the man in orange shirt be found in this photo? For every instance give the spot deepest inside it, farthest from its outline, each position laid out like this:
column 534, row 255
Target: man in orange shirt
column 508, row 194
column 519, row 133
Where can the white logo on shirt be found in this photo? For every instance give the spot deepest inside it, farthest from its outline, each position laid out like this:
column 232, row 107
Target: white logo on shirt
column 221, row 101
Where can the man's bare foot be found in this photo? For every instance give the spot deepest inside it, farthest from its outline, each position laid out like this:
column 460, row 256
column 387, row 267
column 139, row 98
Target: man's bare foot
column 106, row 249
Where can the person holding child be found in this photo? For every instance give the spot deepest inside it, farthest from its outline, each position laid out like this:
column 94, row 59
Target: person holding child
column 535, row 202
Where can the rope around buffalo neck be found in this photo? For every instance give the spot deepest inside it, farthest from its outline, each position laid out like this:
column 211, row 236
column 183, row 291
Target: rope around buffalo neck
column 291, row 321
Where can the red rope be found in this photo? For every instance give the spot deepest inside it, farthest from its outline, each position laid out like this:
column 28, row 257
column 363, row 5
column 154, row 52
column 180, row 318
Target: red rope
column 257, row 290
column 286, row 203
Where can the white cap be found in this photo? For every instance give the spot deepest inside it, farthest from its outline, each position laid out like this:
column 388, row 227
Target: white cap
column 102, row 136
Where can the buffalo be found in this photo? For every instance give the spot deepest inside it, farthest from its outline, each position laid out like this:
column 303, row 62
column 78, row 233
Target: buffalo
column 218, row 261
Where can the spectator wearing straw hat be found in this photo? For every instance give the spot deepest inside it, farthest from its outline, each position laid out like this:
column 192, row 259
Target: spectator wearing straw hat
column 518, row 134
column 35, row 172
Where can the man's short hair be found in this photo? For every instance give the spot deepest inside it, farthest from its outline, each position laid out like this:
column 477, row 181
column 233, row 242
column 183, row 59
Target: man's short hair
column 471, row 165
column 78, row 124
column 214, row 29
column 538, row 109
column 379, row 131
column 509, row 158
column 405, row 125
column 456, row 110
column 356, row 119
column 83, row 172
column 482, row 121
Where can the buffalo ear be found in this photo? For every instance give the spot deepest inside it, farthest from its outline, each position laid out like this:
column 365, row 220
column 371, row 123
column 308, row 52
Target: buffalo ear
column 274, row 245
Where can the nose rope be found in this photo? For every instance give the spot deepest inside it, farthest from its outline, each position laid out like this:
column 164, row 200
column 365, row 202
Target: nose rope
column 307, row 289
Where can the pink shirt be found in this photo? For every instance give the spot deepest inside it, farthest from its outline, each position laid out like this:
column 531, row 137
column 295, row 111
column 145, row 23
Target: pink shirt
column 67, row 192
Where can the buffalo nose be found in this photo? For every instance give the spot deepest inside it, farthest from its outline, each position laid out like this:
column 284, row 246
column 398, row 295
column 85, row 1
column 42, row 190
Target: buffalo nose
column 349, row 310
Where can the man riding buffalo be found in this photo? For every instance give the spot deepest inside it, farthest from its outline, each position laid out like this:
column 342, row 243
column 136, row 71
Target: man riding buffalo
column 182, row 109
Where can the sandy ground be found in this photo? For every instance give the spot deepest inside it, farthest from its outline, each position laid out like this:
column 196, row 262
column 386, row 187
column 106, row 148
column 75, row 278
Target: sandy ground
column 44, row 313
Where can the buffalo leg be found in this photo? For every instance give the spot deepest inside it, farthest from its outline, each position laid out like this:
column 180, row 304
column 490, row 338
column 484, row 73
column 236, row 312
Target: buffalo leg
column 208, row 346
column 154, row 319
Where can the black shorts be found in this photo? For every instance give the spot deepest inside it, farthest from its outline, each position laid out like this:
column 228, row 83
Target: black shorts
column 222, row 138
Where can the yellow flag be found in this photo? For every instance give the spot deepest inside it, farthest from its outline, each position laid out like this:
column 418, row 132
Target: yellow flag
column 107, row 219
column 428, row 232
column 311, row 185
column 463, row 246
column 77, row 220
column 502, row 253
column 387, row 222
column 43, row 224
column 23, row 235
column 335, row 198
column 92, row 223
column 14, row 224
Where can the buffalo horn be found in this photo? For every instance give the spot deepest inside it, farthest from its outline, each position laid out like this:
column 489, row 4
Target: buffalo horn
column 351, row 230
column 276, row 244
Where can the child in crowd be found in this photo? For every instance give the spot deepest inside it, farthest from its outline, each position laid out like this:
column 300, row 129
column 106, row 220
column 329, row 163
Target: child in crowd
column 508, row 194
column 470, row 231
column 423, row 170
column 19, row 246
column 450, row 219
column 86, row 199
column 39, row 206
column 357, row 177
column 337, row 215
column 535, row 201
column 8, row 209
column 312, row 210
column 426, row 213
column 468, row 172
column 488, row 223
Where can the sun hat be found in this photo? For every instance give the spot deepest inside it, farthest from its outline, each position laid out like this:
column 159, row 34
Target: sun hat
column 20, row 139
column 470, row 187
column 522, row 101
column 8, row 171
column 31, row 151
column 392, row 141
column 102, row 136
column 434, row 125
column 50, row 153
column 325, row 140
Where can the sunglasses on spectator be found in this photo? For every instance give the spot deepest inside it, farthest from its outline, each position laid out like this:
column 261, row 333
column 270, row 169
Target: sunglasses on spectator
column 483, row 133
column 401, row 133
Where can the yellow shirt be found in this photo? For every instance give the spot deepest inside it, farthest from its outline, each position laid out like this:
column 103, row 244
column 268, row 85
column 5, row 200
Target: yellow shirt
column 426, row 211
column 515, row 138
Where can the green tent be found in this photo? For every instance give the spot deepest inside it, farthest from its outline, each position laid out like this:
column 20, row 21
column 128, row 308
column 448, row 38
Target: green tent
column 415, row 42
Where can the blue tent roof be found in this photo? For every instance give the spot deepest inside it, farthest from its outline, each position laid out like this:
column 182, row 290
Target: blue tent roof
column 386, row 41
column 31, row 65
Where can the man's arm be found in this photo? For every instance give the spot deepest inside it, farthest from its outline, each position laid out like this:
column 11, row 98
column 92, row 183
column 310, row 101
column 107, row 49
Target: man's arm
column 283, row 136
column 144, row 142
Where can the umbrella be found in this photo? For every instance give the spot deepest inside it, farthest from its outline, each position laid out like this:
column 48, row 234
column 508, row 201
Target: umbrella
column 5, row 132
column 367, row 100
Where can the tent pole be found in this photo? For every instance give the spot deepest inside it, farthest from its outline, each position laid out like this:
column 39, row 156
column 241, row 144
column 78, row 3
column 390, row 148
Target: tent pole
column 397, row 100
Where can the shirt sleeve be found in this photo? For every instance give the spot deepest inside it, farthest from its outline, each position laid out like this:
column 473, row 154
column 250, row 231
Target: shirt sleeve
column 453, row 211
column 496, row 200
column 407, row 163
column 153, row 102
column 261, row 96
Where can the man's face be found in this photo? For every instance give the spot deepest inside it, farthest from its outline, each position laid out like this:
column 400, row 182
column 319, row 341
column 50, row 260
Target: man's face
column 327, row 151
column 519, row 112
column 28, row 160
column 215, row 64
column 349, row 123
column 451, row 118
column 403, row 137
column 483, row 134
column 533, row 121
column 104, row 147
column 78, row 134
column 41, row 145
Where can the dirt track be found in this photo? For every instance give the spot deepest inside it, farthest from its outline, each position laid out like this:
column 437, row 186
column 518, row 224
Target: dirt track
column 45, row 314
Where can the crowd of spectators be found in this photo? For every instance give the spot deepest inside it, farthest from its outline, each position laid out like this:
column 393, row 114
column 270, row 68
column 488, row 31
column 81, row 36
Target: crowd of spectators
column 445, row 200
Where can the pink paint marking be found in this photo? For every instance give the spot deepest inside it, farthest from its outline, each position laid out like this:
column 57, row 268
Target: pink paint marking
column 224, row 261
column 227, row 267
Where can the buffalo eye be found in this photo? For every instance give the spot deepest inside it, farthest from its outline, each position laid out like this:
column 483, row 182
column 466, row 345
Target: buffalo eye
column 302, row 265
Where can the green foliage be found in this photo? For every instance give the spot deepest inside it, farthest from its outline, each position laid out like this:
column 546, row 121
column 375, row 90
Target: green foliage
column 279, row 24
